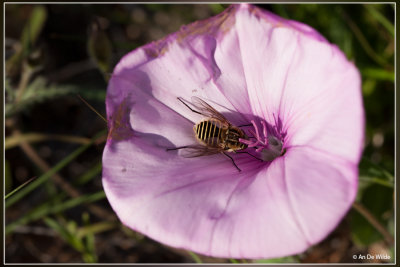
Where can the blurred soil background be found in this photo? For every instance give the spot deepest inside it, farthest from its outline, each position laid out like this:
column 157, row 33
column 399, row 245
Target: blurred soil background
column 55, row 53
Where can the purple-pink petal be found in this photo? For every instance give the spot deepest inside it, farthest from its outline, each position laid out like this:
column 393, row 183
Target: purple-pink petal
column 250, row 65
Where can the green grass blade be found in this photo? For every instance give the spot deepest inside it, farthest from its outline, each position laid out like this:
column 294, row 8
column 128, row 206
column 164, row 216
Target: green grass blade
column 364, row 42
column 33, row 27
column 379, row 17
column 30, row 34
column 65, row 234
column 18, row 188
column 378, row 74
column 376, row 180
column 89, row 175
column 49, row 208
column 43, row 178
column 35, row 214
column 194, row 256
column 77, row 201
column 89, row 254
column 97, row 228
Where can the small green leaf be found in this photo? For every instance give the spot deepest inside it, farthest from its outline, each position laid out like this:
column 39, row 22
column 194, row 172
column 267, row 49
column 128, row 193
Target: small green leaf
column 194, row 256
column 33, row 28
column 372, row 173
column 72, row 226
column 68, row 233
column 89, row 258
column 50, row 207
column 64, row 233
column 216, row 8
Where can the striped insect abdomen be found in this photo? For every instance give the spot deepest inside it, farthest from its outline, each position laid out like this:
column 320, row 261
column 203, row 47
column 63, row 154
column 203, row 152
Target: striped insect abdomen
column 208, row 132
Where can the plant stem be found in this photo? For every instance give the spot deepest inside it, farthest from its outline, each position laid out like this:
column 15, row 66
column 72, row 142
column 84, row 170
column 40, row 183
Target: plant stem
column 60, row 181
column 374, row 222
column 364, row 42
column 15, row 140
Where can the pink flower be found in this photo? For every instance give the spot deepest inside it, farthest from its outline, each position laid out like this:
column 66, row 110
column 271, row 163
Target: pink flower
column 303, row 99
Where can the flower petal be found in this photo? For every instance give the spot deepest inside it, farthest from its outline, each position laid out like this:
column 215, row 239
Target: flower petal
column 294, row 74
column 321, row 189
column 267, row 45
column 200, row 204
column 248, row 63
column 184, row 65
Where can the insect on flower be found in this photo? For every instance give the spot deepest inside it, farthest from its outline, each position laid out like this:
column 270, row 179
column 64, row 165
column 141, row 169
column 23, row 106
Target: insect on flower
column 214, row 133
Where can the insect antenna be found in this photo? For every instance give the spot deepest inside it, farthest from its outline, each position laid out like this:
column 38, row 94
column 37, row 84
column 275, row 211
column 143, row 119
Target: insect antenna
column 92, row 108
column 195, row 111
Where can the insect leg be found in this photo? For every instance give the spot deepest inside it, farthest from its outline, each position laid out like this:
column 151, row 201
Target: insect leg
column 232, row 161
column 245, row 152
column 245, row 125
column 176, row 148
column 195, row 111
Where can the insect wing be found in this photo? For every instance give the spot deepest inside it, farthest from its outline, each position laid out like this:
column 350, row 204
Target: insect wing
column 194, row 151
column 208, row 110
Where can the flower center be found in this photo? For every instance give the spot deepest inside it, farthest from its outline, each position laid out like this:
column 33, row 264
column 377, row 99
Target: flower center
column 269, row 144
